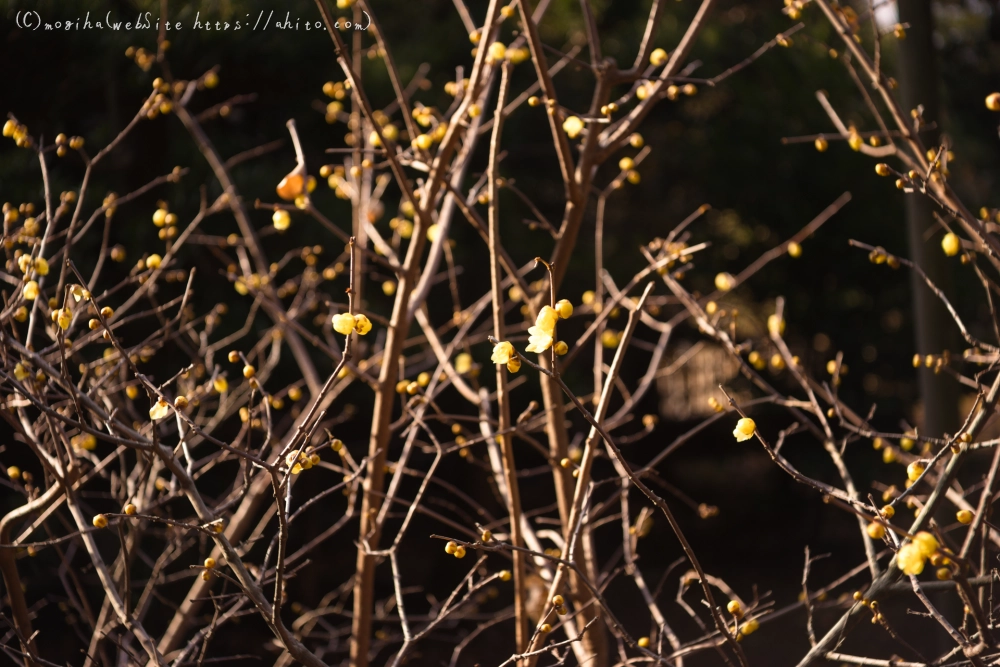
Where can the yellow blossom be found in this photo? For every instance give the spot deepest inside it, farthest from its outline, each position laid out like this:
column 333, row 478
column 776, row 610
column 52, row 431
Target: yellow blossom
column 573, row 126
column 502, row 352
column 909, row 559
column 497, row 50
column 775, row 325
column 30, row 290
column 951, row 244
column 281, row 220
column 64, row 318
column 744, row 430
column 926, row 543
column 564, row 308
column 344, row 323
column 540, row 336
column 362, row 324
column 160, row 410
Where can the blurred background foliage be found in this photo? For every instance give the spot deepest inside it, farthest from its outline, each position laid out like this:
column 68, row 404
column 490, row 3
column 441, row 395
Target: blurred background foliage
column 722, row 147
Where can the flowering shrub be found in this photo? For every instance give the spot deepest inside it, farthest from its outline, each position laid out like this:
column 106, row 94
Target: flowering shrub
column 195, row 476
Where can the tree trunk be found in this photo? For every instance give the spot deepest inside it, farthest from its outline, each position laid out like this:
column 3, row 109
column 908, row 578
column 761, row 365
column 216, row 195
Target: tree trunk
column 932, row 325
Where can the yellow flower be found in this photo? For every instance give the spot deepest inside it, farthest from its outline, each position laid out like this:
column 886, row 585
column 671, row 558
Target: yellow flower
column 100, row 521
column 540, row 336
column 463, row 363
column 775, row 325
column 64, row 318
column 502, row 352
column 153, row 261
column 42, row 266
column 926, row 543
column 547, row 318
column 160, row 410
column 965, row 516
column 951, row 244
column 914, row 471
column 220, row 384
column 564, row 308
column 573, row 126
column 744, row 430
column 85, row 441
column 423, row 142
column 724, row 282
column 344, row 323
column 281, row 220
column 657, row 57
column 30, row 290
column 514, row 365
column 518, row 56
column 362, row 324
column 497, row 50
column 909, row 559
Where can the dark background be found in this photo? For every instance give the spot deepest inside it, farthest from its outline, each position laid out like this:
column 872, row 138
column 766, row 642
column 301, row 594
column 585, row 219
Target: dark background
column 722, row 147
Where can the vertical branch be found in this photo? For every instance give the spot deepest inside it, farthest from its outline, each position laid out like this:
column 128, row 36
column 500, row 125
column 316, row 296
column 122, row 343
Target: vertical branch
column 503, row 437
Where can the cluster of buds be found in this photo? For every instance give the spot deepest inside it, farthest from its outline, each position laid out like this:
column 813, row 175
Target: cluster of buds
column 299, row 461
column 19, row 133
column 345, row 323
column 674, row 250
column 453, row 549
column 63, row 142
column 165, row 220
column 934, row 361
column 143, row 58
column 160, row 102
column 209, row 565
column 879, row 255
column 411, row 387
column 454, row 87
column 295, row 187
column 793, row 8
column 559, row 605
